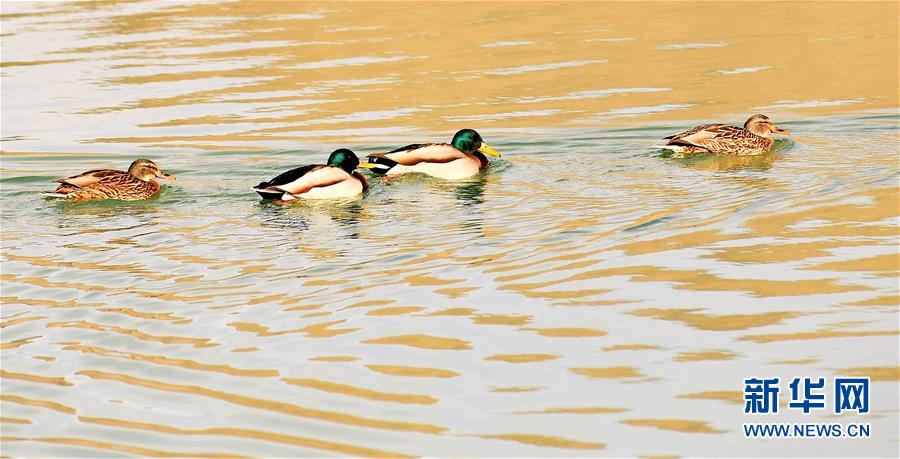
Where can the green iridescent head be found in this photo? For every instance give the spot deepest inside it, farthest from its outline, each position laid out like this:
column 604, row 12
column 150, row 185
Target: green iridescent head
column 343, row 158
column 468, row 141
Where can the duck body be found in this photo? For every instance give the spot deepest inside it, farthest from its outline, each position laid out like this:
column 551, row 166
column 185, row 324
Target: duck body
column 334, row 180
column 136, row 184
column 753, row 139
column 440, row 160
column 462, row 158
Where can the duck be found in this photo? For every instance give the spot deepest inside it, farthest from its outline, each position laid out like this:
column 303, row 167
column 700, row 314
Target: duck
column 463, row 157
column 753, row 139
column 135, row 184
column 336, row 179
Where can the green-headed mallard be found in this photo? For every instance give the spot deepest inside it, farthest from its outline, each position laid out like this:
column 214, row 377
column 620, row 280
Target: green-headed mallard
column 337, row 179
column 752, row 139
column 136, row 184
column 461, row 158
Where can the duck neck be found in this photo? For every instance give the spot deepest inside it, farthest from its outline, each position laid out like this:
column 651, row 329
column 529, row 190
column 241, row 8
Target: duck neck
column 759, row 129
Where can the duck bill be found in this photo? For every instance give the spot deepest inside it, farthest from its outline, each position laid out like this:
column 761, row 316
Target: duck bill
column 365, row 165
column 165, row 176
column 778, row 130
column 486, row 149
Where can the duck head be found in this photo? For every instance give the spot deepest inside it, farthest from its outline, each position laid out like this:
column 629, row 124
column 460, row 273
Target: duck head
column 762, row 126
column 468, row 141
column 346, row 160
column 147, row 170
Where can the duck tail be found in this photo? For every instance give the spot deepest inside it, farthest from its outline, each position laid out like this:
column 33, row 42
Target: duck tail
column 268, row 193
column 53, row 194
column 273, row 193
column 381, row 164
column 287, row 197
column 675, row 148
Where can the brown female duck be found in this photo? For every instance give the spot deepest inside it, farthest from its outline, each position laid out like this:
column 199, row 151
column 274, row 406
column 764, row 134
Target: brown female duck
column 752, row 139
column 134, row 185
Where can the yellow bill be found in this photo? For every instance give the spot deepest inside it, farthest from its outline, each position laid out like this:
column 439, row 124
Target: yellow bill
column 486, row 149
column 366, row 165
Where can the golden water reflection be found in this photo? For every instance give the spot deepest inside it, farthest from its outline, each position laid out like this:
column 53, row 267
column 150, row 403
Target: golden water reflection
column 261, row 75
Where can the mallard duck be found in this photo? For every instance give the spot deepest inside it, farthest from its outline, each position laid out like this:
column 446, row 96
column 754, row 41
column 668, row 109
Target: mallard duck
column 752, row 139
column 136, row 184
column 461, row 158
column 337, row 179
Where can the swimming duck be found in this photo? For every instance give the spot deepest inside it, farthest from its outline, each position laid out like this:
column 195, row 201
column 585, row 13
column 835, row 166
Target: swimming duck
column 136, row 184
column 752, row 139
column 461, row 158
column 337, row 179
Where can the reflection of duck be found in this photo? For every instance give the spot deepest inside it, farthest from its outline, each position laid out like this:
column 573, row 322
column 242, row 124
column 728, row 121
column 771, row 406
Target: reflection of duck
column 136, row 184
column 467, row 192
column 461, row 158
column 721, row 163
column 306, row 216
column 347, row 213
column 752, row 139
column 470, row 193
column 337, row 179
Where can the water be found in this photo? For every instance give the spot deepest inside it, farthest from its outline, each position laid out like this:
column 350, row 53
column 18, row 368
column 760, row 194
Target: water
column 585, row 296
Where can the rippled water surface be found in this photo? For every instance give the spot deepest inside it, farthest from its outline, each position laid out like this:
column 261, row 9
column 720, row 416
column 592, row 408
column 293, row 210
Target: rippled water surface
column 585, row 296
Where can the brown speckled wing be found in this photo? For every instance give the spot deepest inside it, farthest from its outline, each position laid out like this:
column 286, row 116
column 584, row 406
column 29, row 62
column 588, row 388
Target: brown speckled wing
column 693, row 130
column 90, row 177
column 696, row 136
column 732, row 132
